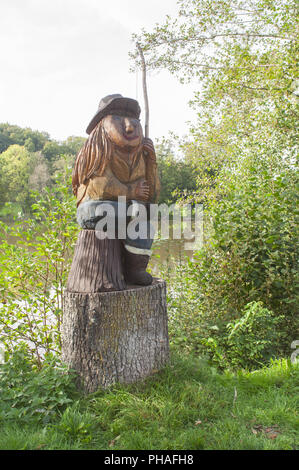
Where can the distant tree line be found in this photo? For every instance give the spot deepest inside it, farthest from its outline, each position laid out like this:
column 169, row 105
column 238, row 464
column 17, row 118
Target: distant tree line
column 29, row 161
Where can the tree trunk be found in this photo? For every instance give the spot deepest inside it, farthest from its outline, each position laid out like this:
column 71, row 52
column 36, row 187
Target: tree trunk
column 111, row 337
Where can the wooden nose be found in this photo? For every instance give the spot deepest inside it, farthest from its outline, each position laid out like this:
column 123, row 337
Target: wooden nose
column 129, row 127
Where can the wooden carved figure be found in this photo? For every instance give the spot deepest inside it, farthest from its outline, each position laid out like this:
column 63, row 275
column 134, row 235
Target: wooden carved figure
column 115, row 162
column 114, row 325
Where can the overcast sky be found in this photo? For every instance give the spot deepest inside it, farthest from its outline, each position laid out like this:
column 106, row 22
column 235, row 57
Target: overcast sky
column 60, row 57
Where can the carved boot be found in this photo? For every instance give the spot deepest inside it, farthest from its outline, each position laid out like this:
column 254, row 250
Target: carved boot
column 135, row 269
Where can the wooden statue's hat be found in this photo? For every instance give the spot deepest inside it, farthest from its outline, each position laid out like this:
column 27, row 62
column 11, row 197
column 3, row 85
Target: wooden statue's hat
column 114, row 104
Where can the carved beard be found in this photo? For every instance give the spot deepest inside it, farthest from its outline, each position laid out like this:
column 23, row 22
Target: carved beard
column 95, row 155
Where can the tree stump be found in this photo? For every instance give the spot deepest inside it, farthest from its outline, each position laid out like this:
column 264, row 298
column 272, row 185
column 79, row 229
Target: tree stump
column 115, row 337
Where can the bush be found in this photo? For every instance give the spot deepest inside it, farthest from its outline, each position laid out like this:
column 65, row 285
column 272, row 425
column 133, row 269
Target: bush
column 237, row 299
column 253, row 251
column 35, row 256
column 32, row 394
column 248, row 342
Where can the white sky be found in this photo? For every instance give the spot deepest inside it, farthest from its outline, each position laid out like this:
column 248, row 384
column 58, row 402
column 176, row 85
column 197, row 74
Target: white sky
column 60, row 57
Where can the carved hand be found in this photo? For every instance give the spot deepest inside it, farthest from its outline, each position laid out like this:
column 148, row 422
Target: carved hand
column 142, row 190
column 149, row 149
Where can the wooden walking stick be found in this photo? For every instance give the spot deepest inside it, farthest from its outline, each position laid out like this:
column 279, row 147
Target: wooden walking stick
column 146, row 107
column 149, row 162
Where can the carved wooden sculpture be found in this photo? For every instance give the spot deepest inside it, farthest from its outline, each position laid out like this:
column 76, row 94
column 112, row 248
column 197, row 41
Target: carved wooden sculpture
column 115, row 162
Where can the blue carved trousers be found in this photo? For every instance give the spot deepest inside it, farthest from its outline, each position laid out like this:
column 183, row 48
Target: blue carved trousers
column 126, row 220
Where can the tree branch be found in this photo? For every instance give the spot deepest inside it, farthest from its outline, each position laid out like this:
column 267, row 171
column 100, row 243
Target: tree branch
column 194, row 64
column 214, row 36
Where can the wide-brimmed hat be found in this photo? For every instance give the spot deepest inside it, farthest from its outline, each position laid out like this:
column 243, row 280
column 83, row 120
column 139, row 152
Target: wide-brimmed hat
column 113, row 104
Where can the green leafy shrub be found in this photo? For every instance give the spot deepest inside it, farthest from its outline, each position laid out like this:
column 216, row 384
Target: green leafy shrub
column 35, row 256
column 253, row 251
column 252, row 338
column 249, row 261
column 249, row 341
column 32, row 394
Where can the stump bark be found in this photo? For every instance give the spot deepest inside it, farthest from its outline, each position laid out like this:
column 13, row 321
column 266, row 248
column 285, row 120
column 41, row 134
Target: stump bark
column 115, row 337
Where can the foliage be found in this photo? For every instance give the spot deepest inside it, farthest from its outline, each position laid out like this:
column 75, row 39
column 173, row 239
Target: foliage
column 53, row 150
column 63, row 165
column 184, row 310
column 188, row 405
column 243, row 148
column 252, row 254
column 14, row 175
column 30, row 394
column 176, row 175
column 30, row 161
column 39, row 177
column 35, row 141
column 253, row 335
column 32, row 140
column 249, row 341
column 243, row 55
column 35, row 257
column 206, row 34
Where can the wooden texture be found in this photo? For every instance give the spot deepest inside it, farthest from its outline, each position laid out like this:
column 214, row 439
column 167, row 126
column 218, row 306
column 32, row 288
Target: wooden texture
column 112, row 162
column 97, row 265
column 115, row 337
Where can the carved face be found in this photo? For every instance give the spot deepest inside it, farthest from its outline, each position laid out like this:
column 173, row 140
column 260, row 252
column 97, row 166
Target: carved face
column 123, row 131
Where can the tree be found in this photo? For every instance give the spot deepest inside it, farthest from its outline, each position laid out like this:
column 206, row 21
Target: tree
column 12, row 134
column 74, row 144
column 15, row 168
column 177, row 176
column 5, row 142
column 243, row 145
column 243, row 55
column 39, row 173
column 30, row 161
column 35, row 141
column 54, row 150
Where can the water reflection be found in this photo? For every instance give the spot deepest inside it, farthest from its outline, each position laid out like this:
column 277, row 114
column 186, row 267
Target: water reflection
column 168, row 252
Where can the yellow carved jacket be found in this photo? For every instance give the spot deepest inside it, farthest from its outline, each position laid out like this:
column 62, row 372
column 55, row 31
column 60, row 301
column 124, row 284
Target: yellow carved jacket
column 120, row 178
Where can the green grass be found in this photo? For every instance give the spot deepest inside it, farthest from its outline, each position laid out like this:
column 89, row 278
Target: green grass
column 188, row 405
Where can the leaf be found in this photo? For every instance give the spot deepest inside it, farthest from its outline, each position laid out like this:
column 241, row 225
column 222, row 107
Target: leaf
column 272, row 432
